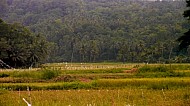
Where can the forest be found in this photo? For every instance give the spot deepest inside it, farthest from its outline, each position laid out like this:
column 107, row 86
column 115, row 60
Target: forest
column 103, row 30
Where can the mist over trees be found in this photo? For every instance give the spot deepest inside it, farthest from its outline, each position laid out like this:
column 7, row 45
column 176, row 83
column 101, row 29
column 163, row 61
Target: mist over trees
column 104, row 30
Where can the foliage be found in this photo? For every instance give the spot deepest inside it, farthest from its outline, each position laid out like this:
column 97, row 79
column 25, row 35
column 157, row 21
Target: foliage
column 3, row 75
column 153, row 69
column 162, row 71
column 185, row 39
column 103, row 30
column 49, row 73
column 41, row 74
column 21, row 48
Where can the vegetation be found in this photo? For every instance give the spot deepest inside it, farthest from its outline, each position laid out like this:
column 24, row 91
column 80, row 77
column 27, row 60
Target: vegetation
column 185, row 39
column 19, row 47
column 150, row 84
column 148, row 76
column 93, row 31
column 104, row 30
column 125, row 97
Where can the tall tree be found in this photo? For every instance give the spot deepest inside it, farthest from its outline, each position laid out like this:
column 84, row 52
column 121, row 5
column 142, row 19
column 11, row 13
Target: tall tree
column 19, row 47
column 185, row 39
column 94, row 30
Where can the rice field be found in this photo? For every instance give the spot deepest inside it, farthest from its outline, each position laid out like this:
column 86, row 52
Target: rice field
column 117, row 97
column 97, row 84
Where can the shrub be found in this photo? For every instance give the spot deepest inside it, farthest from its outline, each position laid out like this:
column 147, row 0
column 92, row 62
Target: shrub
column 49, row 73
column 153, row 69
column 4, row 75
column 157, row 71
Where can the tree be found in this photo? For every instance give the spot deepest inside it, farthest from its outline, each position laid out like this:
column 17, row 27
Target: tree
column 185, row 39
column 19, row 47
column 94, row 30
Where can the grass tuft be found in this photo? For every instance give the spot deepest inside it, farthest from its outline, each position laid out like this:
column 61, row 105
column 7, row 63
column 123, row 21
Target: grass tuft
column 49, row 73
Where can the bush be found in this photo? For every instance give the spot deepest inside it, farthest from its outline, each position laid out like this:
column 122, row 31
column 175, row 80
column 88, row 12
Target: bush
column 4, row 75
column 157, row 71
column 153, row 69
column 49, row 73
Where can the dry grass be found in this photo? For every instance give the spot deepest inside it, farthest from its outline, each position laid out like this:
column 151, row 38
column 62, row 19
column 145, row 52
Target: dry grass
column 87, row 66
column 122, row 97
column 124, row 88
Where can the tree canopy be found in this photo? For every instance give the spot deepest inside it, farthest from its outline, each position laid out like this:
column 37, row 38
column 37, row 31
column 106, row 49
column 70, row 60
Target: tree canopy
column 104, row 30
column 185, row 39
column 19, row 47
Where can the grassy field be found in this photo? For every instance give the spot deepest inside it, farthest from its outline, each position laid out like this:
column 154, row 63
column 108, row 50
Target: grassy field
column 116, row 97
column 97, row 84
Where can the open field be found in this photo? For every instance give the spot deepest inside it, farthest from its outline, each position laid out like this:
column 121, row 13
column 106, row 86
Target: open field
column 117, row 97
column 143, row 83
column 97, row 84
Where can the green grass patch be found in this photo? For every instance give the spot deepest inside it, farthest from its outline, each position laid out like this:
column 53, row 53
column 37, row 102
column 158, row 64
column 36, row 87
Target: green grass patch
column 147, row 68
column 179, row 66
column 48, row 86
column 47, row 73
column 44, row 73
column 149, row 71
column 2, row 75
column 151, row 83
column 25, row 74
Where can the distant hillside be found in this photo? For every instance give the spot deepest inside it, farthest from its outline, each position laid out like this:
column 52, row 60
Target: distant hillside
column 103, row 30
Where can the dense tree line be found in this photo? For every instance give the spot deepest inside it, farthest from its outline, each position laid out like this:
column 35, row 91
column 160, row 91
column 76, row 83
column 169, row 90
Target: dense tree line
column 19, row 47
column 104, row 30
column 185, row 39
